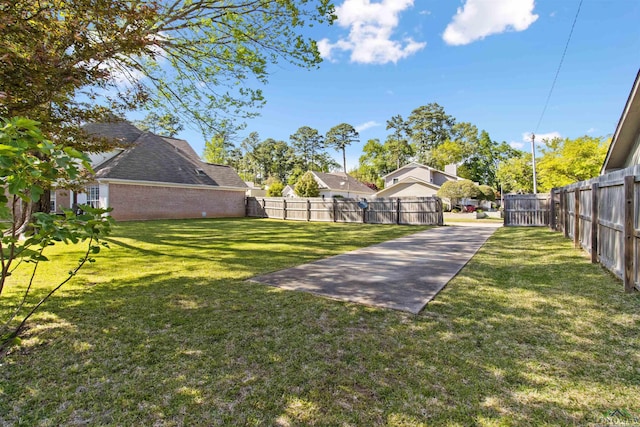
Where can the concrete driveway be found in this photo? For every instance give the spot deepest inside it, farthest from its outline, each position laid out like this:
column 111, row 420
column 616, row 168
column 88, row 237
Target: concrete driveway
column 401, row 274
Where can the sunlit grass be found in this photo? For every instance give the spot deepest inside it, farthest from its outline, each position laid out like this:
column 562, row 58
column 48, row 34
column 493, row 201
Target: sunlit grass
column 164, row 330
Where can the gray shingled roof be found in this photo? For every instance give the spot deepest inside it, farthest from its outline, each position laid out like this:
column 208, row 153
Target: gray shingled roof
column 150, row 157
column 122, row 131
column 333, row 181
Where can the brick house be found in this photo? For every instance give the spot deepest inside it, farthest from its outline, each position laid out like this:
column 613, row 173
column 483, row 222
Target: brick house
column 156, row 177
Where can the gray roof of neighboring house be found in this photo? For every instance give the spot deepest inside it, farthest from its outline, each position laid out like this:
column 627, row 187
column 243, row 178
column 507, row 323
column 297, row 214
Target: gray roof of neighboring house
column 149, row 157
column 333, row 180
column 419, row 165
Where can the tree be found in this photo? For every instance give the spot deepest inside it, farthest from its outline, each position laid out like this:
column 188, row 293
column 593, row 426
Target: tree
column 307, row 142
column 68, row 63
column 486, row 193
column 65, row 63
column 307, row 186
column 29, row 164
column 565, row 161
column 515, row 175
column 456, row 190
column 217, row 149
column 249, row 146
column 164, row 125
column 400, row 151
column 341, row 136
column 429, row 126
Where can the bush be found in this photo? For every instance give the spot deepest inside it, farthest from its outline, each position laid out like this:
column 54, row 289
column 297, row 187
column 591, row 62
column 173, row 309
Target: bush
column 275, row 189
column 307, row 186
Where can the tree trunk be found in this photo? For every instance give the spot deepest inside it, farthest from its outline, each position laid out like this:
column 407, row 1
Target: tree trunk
column 344, row 160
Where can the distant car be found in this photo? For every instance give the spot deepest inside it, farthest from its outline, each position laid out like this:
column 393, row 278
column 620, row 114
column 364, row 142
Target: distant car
column 470, row 208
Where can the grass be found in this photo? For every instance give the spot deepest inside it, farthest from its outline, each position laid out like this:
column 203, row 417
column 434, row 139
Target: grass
column 165, row 331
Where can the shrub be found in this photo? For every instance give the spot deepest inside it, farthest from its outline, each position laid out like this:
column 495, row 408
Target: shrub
column 275, row 189
column 307, row 186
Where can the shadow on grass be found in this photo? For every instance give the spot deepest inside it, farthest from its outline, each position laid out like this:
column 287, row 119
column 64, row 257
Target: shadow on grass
column 529, row 333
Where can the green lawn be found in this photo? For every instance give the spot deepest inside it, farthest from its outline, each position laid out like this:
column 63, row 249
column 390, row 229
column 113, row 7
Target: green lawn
column 164, row 330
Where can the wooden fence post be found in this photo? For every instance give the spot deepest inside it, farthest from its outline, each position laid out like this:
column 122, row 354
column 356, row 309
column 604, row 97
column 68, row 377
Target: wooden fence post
column 364, row 215
column 594, row 222
column 284, row 208
column 264, row 209
column 308, row 210
column 566, row 214
column 629, row 182
column 440, row 211
column 576, row 218
column 334, row 210
column 552, row 210
column 398, row 211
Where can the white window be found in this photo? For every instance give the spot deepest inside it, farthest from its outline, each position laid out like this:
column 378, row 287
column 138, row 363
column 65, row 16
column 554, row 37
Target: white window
column 93, row 196
column 52, row 200
column 395, row 181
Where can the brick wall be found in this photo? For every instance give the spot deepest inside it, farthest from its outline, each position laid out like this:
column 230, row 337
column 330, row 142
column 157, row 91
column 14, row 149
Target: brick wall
column 131, row 202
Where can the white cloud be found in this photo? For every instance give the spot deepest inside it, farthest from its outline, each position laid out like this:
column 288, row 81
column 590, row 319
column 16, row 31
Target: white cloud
column 366, row 125
column 478, row 19
column 517, row 145
column 591, row 130
column 371, row 27
column 540, row 137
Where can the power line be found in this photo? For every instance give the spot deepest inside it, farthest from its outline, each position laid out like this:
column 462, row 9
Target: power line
column 546, row 104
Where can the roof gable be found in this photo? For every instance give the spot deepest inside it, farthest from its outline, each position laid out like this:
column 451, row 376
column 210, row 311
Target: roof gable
column 626, row 134
column 421, row 166
column 405, row 182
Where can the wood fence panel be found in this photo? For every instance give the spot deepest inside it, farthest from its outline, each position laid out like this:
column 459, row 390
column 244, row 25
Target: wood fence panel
column 526, row 210
column 296, row 209
column 570, row 217
column 420, row 211
column 610, row 230
column 348, row 211
column 584, row 238
column 382, row 211
column 320, row 210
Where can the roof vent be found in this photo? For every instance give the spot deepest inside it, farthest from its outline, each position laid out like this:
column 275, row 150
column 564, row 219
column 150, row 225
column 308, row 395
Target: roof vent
column 200, row 172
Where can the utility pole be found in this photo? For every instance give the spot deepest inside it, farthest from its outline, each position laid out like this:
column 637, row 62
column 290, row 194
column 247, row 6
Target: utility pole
column 533, row 154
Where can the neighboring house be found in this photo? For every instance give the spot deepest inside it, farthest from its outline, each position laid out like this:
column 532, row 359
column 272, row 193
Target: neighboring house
column 624, row 150
column 416, row 180
column 254, row 190
column 155, row 177
column 288, row 191
column 342, row 185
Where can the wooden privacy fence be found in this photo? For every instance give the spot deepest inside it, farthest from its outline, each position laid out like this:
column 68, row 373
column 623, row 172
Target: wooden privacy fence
column 409, row 211
column 601, row 215
column 531, row 210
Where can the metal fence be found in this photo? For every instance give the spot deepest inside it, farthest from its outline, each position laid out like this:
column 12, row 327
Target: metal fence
column 408, row 211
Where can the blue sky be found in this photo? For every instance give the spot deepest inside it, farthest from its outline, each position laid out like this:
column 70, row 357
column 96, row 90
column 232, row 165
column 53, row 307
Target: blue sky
column 488, row 62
